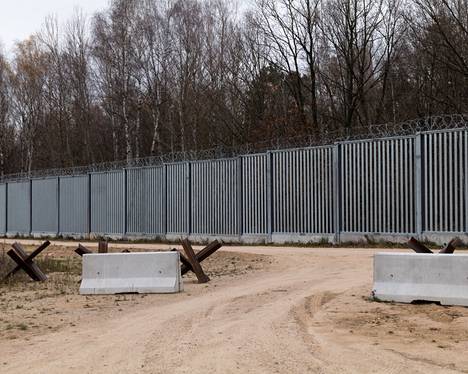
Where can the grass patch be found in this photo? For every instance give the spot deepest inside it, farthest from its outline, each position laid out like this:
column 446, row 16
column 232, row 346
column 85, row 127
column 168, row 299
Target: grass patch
column 22, row 326
column 61, row 272
column 68, row 265
column 6, row 264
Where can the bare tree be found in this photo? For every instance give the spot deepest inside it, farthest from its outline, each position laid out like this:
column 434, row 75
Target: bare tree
column 392, row 32
column 28, row 86
column 290, row 30
column 352, row 32
column 450, row 19
column 187, row 33
column 56, row 94
column 153, row 50
column 76, row 57
column 113, row 53
column 6, row 138
column 439, row 35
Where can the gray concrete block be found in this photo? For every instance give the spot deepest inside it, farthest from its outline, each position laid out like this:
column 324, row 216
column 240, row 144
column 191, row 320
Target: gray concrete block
column 408, row 277
column 114, row 273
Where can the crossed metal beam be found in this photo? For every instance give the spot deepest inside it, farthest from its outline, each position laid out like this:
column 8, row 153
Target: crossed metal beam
column 418, row 247
column 25, row 261
column 192, row 261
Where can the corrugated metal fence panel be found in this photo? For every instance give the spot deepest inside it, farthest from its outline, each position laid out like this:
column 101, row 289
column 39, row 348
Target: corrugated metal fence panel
column 295, row 187
column 378, row 186
column 99, row 209
column 214, row 197
column 444, row 181
column 302, row 191
column 19, row 208
column 45, row 206
column 145, row 200
column 255, row 194
column 108, row 203
column 74, row 205
column 2, row 209
column 177, row 187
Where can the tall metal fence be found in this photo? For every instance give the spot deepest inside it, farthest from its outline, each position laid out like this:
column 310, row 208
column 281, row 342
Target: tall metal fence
column 382, row 188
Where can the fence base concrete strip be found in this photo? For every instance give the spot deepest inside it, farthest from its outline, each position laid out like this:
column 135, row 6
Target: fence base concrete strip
column 157, row 272
column 407, row 277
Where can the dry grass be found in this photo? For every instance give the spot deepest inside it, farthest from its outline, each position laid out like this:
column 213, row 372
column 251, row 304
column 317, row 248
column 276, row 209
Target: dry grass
column 62, row 272
column 5, row 263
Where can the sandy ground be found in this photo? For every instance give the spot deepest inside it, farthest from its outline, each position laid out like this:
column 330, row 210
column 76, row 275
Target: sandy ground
column 266, row 310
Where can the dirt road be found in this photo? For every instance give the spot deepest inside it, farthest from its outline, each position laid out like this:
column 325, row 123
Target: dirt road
column 306, row 313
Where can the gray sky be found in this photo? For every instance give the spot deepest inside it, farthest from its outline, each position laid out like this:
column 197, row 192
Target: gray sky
column 21, row 18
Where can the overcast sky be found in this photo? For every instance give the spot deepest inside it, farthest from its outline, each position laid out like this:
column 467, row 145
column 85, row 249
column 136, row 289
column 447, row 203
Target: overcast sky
column 21, row 18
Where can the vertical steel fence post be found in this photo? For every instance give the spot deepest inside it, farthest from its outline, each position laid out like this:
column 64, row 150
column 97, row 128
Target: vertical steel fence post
column 125, row 203
column 6, row 209
column 418, row 208
column 269, row 196
column 30, row 208
column 58, row 206
column 466, row 180
column 89, row 206
column 336, row 198
column 164, row 202
column 240, row 197
column 190, row 198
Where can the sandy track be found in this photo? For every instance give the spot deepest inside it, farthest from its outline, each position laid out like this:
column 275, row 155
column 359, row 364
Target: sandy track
column 281, row 320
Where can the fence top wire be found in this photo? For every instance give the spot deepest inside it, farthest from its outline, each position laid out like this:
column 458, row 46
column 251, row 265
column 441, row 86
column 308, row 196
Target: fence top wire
column 322, row 138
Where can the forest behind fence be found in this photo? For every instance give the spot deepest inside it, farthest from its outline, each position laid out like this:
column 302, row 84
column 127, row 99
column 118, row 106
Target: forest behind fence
column 148, row 78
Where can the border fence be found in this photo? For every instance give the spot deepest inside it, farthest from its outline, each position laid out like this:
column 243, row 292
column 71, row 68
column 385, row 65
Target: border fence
column 379, row 189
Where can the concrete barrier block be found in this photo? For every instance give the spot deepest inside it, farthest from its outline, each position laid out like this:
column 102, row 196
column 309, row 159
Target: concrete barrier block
column 114, row 273
column 408, row 277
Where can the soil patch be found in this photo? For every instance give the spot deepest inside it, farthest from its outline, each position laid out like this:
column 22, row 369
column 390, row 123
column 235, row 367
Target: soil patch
column 31, row 308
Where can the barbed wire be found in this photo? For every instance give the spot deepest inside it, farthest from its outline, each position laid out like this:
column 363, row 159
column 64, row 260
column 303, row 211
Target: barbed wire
column 321, row 138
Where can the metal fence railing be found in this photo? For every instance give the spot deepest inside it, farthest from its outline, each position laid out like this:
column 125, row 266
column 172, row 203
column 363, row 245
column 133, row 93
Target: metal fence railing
column 406, row 185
